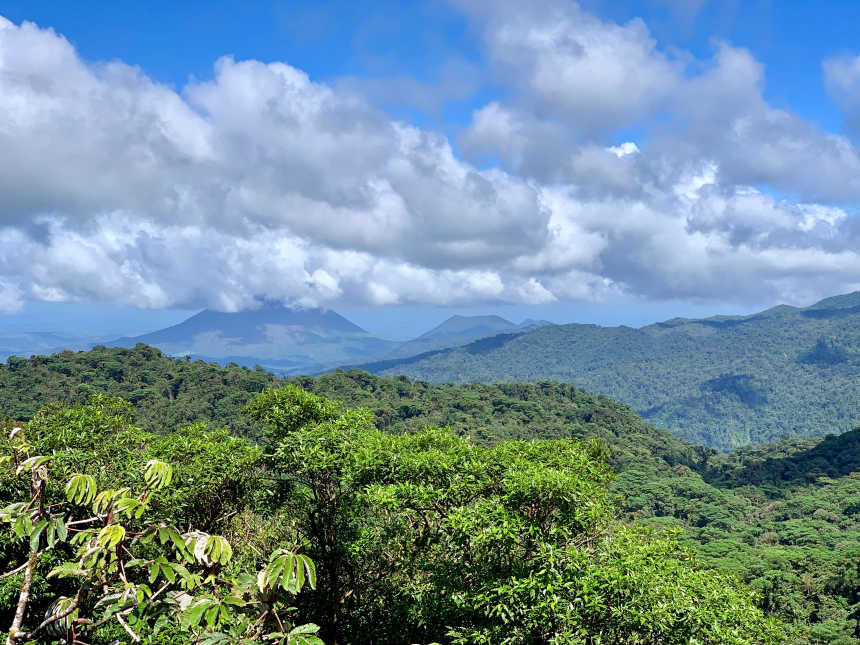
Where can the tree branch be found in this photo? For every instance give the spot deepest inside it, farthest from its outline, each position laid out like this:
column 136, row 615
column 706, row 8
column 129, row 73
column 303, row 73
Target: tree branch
column 53, row 619
column 16, row 571
column 128, row 630
column 23, row 597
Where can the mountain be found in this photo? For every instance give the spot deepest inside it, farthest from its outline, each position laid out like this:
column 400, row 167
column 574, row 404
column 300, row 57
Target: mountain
column 277, row 337
column 458, row 326
column 460, row 330
column 723, row 382
column 30, row 343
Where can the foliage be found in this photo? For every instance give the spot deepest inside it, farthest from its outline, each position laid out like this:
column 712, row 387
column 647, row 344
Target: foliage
column 124, row 568
column 426, row 536
column 722, row 382
column 783, row 517
column 166, row 393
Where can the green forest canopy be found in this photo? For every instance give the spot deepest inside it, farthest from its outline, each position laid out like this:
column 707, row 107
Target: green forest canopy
column 403, row 538
column 723, row 382
column 784, row 517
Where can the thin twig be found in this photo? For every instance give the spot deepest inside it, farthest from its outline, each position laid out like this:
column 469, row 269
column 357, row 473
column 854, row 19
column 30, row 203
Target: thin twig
column 9, row 574
column 128, row 630
column 53, row 619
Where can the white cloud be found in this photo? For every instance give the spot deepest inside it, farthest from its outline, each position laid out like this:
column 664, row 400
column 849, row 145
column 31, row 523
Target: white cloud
column 626, row 148
column 842, row 79
column 262, row 183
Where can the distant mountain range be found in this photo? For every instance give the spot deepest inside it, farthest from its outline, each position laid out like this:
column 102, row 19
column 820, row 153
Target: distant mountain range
column 283, row 339
column 460, row 330
column 294, row 341
column 723, row 382
column 274, row 336
column 29, row 343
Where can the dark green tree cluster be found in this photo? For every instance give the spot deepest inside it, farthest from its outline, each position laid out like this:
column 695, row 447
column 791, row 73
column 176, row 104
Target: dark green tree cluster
column 199, row 536
column 166, row 393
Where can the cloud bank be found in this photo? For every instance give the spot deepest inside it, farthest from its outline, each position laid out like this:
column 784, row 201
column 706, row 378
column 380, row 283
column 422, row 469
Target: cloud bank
column 264, row 184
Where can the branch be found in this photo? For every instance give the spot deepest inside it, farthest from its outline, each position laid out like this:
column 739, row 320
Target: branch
column 89, row 519
column 53, row 619
column 128, row 630
column 23, row 597
column 9, row 574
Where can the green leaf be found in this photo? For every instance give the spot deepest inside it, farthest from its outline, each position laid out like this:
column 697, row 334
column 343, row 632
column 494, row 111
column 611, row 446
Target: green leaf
column 191, row 616
column 169, row 573
column 67, row 570
column 36, row 534
column 62, row 531
column 158, row 474
column 211, row 616
column 31, row 463
column 216, row 549
column 311, row 569
column 81, row 489
column 300, row 574
column 111, row 535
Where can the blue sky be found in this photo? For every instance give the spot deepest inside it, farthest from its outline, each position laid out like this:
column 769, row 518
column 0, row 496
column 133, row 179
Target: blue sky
column 329, row 40
column 472, row 169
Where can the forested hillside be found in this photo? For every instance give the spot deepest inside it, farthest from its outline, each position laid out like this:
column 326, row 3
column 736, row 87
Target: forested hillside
column 167, row 393
column 722, row 382
column 333, row 531
column 784, row 517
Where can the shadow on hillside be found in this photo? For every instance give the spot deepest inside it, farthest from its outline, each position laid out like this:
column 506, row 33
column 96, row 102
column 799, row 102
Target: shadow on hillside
column 831, row 313
column 480, row 346
column 776, row 465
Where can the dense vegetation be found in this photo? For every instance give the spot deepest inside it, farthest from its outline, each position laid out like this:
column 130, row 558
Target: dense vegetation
column 783, row 517
column 166, row 393
column 722, row 382
column 337, row 532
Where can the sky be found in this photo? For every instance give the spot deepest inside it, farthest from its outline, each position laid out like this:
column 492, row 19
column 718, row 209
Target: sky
column 613, row 162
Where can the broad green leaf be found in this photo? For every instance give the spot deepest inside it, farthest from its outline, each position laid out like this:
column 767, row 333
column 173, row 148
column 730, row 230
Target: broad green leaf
column 36, row 534
column 81, row 489
column 111, row 535
column 67, row 570
column 192, row 616
column 31, row 463
column 158, row 474
column 168, row 572
column 62, row 531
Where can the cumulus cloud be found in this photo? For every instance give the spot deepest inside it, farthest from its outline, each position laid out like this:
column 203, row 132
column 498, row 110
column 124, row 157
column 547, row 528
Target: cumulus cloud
column 842, row 79
column 261, row 183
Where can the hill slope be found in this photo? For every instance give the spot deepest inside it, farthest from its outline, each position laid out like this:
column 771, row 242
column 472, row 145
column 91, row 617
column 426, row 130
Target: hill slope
column 274, row 336
column 785, row 517
column 724, row 382
column 168, row 393
column 459, row 330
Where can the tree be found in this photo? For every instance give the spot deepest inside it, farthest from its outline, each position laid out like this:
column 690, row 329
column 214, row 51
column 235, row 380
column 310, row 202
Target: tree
column 425, row 536
column 127, row 570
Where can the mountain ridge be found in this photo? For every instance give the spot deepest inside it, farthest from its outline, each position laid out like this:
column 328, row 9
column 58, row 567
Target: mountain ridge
column 723, row 381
